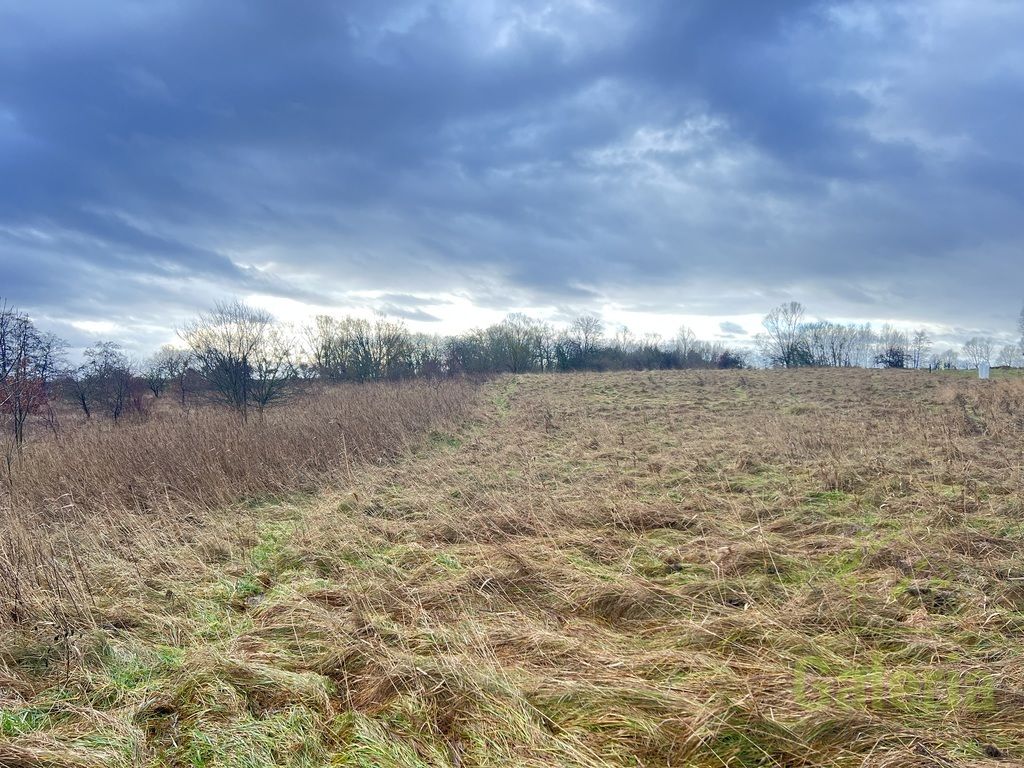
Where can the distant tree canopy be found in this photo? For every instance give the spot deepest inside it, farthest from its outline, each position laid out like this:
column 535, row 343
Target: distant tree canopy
column 789, row 341
column 358, row 350
column 243, row 358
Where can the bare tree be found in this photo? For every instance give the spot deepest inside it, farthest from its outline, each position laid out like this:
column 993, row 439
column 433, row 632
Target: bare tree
column 947, row 360
column 547, row 346
column 586, row 331
column 1010, row 356
column 624, row 341
column 29, row 363
column 515, row 343
column 77, row 388
column 168, row 367
column 112, row 373
column 155, row 376
column 103, row 383
column 686, row 342
column 273, row 370
column 978, row 350
column 832, row 344
column 239, row 355
column 469, row 353
column 785, row 343
column 8, row 318
column 390, row 349
column 355, row 348
column 920, row 344
column 330, row 353
column 427, row 354
column 177, row 365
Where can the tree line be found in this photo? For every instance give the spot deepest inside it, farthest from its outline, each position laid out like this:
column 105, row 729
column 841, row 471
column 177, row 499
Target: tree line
column 790, row 340
column 241, row 357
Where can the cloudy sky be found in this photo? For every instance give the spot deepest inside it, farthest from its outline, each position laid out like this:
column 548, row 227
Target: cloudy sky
column 448, row 161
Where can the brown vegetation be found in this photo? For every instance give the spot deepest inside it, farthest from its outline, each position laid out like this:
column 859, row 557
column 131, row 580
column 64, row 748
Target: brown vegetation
column 129, row 490
column 671, row 568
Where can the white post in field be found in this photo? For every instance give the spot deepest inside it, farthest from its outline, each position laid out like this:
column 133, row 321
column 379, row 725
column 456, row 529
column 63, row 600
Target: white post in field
column 983, row 369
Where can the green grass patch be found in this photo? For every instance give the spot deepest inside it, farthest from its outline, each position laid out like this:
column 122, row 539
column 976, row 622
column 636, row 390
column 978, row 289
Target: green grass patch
column 826, row 499
column 16, row 722
column 444, row 440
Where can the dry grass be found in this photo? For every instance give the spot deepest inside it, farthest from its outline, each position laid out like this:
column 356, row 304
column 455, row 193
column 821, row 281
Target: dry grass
column 679, row 568
column 136, row 490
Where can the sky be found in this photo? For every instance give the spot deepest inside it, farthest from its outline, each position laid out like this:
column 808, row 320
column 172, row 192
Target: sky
column 450, row 161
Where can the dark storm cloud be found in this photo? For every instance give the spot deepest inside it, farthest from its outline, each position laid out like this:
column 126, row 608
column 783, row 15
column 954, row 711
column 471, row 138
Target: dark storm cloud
column 696, row 157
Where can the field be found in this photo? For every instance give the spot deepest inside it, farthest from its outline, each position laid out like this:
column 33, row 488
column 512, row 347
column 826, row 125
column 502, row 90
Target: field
column 707, row 568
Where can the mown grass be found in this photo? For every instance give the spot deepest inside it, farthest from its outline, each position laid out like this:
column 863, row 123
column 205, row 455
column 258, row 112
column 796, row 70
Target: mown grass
column 680, row 568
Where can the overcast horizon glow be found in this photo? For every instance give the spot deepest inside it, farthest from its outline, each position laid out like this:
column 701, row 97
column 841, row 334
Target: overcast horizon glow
column 449, row 162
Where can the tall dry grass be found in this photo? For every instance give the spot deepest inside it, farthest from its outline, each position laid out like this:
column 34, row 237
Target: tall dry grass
column 126, row 491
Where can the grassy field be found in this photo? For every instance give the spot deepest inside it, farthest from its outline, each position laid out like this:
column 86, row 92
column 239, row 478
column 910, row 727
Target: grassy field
column 629, row 569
